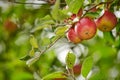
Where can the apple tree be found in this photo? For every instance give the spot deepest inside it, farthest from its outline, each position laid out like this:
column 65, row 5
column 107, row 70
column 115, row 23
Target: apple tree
column 60, row 40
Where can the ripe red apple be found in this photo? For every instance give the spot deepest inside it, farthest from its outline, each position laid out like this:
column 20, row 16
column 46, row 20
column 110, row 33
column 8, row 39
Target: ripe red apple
column 85, row 28
column 107, row 21
column 72, row 36
column 10, row 26
column 77, row 69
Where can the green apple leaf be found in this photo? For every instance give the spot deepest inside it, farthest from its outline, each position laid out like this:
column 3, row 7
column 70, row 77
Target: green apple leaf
column 86, row 66
column 70, row 60
column 33, row 59
column 118, row 27
column 75, row 5
column 109, row 38
column 68, row 1
column 61, row 30
column 33, row 41
column 92, row 14
column 55, row 10
column 32, row 52
column 54, row 75
column 25, row 58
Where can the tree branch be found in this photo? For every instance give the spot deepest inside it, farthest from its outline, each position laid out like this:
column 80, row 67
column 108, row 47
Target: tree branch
column 96, row 6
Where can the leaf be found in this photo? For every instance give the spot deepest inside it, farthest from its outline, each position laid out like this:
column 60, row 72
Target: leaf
column 33, row 41
column 26, row 57
column 70, row 60
column 75, row 5
column 36, row 76
column 92, row 14
column 118, row 27
column 98, row 76
column 68, row 1
column 61, row 30
column 62, row 15
column 109, row 38
column 33, row 59
column 32, row 52
column 55, row 10
column 86, row 66
column 42, row 11
column 40, row 27
column 54, row 75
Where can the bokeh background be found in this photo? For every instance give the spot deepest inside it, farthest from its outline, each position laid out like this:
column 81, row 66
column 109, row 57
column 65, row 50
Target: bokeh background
column 34, row 19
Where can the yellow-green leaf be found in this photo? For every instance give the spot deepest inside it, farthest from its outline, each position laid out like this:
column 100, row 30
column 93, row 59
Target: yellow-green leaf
column 33, row 41
column 75, row 5
column 33, row 59
column 54, row 75
column 32, row 52
column 55, row 10
column 70, row 60
column 86, row 66
column 61, row 30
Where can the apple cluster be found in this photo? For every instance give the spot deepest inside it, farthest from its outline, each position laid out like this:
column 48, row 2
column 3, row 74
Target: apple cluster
column 85, row 28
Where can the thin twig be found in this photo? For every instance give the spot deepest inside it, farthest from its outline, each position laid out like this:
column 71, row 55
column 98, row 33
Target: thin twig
column 49, row 46
column 16, row 2
column 27, row 3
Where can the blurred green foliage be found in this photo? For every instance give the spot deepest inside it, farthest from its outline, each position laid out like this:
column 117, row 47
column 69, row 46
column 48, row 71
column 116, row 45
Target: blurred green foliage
column 18, row 49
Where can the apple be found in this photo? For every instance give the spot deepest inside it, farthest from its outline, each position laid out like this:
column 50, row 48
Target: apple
column 85, row 28
column 10, row 26
column 77, row 69
column 72, row 36
column 107, row 21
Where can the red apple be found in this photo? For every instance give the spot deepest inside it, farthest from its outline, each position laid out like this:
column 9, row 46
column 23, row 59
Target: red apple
column 107, row 21
column 72, row 36
column 10, row 26
column 85, row 28
column 77, row 69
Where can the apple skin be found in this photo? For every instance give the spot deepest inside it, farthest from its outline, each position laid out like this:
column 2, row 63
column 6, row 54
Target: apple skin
column 85, row 28
column 10, row 26
column 107, row 21
column 77, row 69
column 72, row 36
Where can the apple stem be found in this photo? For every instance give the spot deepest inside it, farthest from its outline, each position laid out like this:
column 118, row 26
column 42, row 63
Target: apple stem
column 71, row 74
